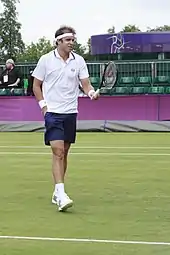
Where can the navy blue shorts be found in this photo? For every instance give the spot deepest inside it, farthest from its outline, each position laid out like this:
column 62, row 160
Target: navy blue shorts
column 60, row 127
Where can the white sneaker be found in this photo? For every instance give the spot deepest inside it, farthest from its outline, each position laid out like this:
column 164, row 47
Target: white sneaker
column 62, row 204
column 65, row 203
column 55, row 199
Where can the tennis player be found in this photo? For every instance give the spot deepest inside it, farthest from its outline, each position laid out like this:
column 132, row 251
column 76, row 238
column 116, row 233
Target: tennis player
column 59, row 74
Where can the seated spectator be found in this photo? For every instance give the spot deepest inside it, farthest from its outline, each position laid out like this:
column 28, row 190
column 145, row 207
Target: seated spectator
column 10, row 77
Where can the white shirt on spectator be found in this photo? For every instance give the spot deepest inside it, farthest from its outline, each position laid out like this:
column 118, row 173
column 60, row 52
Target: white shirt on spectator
column 60, row 80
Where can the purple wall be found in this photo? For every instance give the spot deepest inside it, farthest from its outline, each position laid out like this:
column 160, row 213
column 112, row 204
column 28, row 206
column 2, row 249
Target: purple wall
column 130, row 42
column 146, row 107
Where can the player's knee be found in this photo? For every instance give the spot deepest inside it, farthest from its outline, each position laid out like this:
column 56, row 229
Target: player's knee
column 58, row 153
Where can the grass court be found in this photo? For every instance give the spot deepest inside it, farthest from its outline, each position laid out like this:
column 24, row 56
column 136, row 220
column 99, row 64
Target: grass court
column 120, row 184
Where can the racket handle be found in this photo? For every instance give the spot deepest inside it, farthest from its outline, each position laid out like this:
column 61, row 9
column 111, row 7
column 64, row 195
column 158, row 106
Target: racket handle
column 97, row 92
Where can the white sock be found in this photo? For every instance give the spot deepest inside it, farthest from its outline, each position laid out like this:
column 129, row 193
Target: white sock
column 59, row 190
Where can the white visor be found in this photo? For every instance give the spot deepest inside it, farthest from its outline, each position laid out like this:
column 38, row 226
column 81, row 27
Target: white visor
column 64, row 35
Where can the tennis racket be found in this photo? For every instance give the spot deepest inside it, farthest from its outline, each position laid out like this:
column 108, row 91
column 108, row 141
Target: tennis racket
column 109, row 77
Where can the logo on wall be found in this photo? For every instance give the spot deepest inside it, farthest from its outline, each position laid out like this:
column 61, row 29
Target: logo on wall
column 118, row 43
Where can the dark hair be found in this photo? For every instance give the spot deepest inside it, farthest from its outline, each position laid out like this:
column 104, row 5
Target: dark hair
column 64, row 29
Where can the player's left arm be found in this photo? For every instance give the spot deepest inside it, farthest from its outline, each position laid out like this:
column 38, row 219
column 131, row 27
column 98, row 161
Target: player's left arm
column 85, row 81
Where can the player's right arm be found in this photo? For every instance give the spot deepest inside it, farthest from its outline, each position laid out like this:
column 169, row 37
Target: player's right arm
column 39, row 75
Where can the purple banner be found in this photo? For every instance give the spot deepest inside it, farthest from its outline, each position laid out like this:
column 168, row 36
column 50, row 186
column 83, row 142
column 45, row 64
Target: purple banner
column 130, row 42
column 146, row 107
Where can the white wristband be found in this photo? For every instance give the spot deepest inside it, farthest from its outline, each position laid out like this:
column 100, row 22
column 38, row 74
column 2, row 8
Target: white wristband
column 91, row 92
column 42, row 103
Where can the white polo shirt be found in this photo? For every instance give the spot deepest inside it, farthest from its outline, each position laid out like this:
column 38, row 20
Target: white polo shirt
column 60, row 80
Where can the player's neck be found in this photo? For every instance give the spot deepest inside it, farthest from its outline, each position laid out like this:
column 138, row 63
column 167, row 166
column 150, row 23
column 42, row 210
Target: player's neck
column 64, row 55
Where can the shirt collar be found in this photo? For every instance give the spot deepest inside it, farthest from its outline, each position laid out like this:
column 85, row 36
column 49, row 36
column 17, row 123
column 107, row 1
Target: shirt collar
column 71, row 55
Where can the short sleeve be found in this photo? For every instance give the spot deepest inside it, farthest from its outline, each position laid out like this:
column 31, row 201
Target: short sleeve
column 39, row 71
column 18, row 73
column 83, row 70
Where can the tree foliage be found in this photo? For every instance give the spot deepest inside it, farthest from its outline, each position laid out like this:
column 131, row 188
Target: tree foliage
column 159, row 28
column 79, row 49
column 35, row 50
column 131, row 28
column 111, row 30
column 11, row 43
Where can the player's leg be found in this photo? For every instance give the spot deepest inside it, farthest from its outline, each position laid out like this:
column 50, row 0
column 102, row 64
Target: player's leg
column 59, row 197
column 66, row 150
column 69, row 137
column 57, row 147
column 54, row 136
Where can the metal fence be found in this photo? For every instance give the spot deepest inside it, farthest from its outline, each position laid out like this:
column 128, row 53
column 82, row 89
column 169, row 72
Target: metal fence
column 135, row 69
column 132, row 69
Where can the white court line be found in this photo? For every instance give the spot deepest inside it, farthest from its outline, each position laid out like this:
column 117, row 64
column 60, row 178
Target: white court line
column 84, row 240
column 85, row 153
column 84, row 147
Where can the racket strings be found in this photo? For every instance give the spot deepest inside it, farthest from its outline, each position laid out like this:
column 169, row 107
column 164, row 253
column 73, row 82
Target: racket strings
column 110, row 75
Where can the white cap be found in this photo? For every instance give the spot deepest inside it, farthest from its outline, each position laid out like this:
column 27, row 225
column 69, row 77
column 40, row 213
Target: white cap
column 10, row 61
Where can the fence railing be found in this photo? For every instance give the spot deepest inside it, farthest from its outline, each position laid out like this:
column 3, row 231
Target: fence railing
column 135, row 69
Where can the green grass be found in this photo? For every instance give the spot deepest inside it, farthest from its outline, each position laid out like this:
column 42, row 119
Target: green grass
column 117, row 197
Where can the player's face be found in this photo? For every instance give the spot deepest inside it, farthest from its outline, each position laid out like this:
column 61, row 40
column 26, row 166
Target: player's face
column 67, row 44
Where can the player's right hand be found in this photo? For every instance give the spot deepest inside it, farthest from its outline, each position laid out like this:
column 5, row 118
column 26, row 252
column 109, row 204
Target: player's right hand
column 44, row 110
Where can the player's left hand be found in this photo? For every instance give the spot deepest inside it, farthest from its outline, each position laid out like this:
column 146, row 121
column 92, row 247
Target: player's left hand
column 95, row 96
